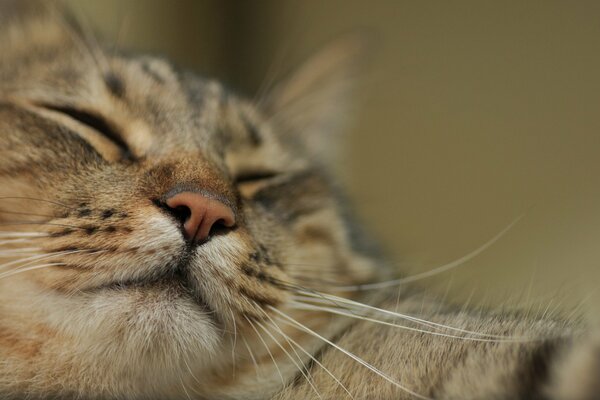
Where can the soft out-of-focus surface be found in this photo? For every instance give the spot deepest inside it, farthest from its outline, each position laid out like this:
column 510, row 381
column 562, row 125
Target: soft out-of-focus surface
column 471, row 114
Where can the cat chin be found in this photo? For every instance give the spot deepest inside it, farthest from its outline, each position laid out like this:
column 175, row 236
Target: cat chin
column 131, row 340
column 160, row 307
column 129, row 327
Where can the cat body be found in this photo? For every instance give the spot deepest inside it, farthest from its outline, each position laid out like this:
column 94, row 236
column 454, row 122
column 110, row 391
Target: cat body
column 164, row 238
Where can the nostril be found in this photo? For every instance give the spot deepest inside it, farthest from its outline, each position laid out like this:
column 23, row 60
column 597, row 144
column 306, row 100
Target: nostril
column 181, row 213
column 200, row 215
column 220, row 226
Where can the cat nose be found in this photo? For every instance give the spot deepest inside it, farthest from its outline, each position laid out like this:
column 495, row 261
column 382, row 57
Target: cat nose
column 200, row 214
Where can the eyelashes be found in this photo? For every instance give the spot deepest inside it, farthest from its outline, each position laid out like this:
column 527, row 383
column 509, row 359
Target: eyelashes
column 250, row 183
column 255, row 177
column 95, row 122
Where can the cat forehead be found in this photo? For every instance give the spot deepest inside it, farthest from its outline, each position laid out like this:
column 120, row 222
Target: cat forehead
column 159, row 106
column 179, row 103
column 50, row 58
column 47, row 56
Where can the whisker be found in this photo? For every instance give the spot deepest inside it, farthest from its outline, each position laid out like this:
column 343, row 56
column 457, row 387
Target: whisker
column 184, row 388
column 256, row 369
column 314, row 281
column 17, row 254
column 16, row 223
column 314, row 359
column 291, row 359
column 26, row 214
column 350, row 305
column 278, row 329
column 13, row 241
column 269, row 79
column 37, row 258
column 405, row 316
column 32, row 259
column 86, row 42
column 20, row 250
column 190, row 371
column 292, row 322
column 435, row 271
column 305, row 307
column 123, row 24
column 267, row 348
column 21, row 270
column 234, row 341
column 56, row 203
column 23, row 234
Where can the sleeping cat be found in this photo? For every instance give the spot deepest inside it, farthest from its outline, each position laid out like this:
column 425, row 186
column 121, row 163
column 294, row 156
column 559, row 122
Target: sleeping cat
column 164, row 238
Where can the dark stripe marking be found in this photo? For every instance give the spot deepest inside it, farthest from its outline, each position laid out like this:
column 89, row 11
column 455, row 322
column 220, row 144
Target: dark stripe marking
column 115, row 85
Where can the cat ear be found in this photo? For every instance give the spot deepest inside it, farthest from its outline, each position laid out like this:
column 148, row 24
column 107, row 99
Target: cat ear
column 313, row 105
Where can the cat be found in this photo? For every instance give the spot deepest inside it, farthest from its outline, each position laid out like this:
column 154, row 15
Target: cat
column 162, row 237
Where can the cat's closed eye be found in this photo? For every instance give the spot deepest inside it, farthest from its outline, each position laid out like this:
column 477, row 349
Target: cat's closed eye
column 98, row 130
column 252, row 181
column 255, row 177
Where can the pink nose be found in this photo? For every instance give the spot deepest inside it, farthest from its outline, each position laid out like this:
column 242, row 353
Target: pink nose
column 202, row 213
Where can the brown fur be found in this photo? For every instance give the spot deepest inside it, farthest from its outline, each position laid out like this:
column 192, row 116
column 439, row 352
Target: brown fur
column 106, row 300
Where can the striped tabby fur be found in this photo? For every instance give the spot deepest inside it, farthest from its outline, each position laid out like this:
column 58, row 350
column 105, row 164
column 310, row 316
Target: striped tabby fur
column 102, row 298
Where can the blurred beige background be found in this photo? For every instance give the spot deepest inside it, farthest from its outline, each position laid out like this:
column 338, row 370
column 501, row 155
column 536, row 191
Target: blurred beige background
column 471, row 114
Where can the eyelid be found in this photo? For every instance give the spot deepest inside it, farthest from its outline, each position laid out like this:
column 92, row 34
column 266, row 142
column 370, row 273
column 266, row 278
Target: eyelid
column 250, row 183
column 255, row 176
column 93, row 121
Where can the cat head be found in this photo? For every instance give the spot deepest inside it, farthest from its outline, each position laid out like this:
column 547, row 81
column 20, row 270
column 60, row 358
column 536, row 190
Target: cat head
column 148, row 214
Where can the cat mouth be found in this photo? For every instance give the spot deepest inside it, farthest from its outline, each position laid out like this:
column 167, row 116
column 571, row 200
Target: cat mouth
column 176, row 283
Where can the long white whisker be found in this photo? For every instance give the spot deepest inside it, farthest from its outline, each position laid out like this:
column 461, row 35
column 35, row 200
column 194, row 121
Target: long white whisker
column 24, row 198
column 234, row 342
column 27, row 259
column 22, row 234
column 184, row 388
column 88, row 45
column 256, row 369
column 291, row 359
column 21, row 270
column 278, row 329
column 267, row 348
column 190, row 371
column 12, row 241
column 434, row 271
column 37, row 258
column 311, row 307
column 298, row 325
column 402, row 316
column 21, row 250
column 314, row 359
